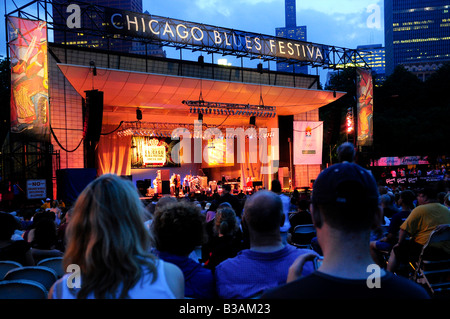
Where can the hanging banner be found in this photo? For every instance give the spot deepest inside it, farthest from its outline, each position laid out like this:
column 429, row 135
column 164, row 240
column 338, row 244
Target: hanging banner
column 29, row 78
column 364, row 95
column 308, row 139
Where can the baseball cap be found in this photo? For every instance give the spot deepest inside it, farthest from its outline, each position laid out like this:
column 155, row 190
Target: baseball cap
column 346, row 184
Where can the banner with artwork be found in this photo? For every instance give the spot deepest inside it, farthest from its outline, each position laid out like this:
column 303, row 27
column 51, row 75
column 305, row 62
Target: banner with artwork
column 149, row 152
column 364, row 96
column 29, row 78
column 308, row 138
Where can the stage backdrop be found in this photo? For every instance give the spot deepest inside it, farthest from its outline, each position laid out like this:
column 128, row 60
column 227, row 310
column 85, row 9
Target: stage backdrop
column 308, row 138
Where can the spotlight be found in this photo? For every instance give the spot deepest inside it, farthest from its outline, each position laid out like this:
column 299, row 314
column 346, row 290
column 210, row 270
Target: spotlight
column 252, row 120
column 200, row 116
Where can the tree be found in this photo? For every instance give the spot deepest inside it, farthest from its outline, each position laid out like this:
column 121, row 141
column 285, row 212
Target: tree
column 333, row 114
column 410, row 115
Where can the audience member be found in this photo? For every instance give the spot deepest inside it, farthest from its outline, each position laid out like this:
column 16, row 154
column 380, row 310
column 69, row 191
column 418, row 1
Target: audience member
column 286, row 202
column 387, row 203
column 418, row 226
column 345, row 208
column 265, row 264
column 44, row 242
column 178, row 229
column 108, row 241
column 228, row 197
column 47, row 203
column 385, row 244
column 61, row 231
column 14, row 250
column 211, row 211
column 158, row 206
column 302, row 216
column 37, row 217
column 225, row 238
column 346, row 152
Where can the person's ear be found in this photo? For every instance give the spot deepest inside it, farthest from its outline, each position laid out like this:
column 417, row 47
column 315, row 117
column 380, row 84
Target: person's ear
column 315, row 216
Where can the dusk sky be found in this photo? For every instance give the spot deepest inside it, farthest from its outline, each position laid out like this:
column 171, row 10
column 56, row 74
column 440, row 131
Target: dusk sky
column 343, row 23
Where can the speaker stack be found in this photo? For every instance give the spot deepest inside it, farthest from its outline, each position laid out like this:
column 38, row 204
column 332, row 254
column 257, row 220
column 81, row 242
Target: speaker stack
column 93, row 115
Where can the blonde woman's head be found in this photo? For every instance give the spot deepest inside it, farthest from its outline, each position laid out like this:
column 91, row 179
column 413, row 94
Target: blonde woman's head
column 107, row 237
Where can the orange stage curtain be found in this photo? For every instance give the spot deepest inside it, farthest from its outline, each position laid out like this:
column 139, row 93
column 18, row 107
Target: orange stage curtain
column 114, row 153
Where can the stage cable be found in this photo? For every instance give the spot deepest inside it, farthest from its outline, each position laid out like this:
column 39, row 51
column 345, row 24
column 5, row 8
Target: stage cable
column 120, row 124
column 59, row 144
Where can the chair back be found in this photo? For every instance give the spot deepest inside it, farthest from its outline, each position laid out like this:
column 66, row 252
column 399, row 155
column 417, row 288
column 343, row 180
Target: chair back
column 55, row 263
column 302, row 235
column 40, row 274
column 440, row 234
column 7, row 265
column 22, row 289
column 433, row 267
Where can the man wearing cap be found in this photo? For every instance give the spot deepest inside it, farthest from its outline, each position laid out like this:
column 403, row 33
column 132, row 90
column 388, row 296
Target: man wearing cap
column 418, row 226
column 47, row 204
column 345, row 207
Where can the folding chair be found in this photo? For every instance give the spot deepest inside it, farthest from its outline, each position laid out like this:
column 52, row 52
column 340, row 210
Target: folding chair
column 433, row 266
column 54, row 263
column 22, row 289
column 40, row 274
column 302, row 235
column 7, row 265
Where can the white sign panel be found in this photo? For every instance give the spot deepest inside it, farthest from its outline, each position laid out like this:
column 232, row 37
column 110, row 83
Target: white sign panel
column 308, row 137
column 36, row 188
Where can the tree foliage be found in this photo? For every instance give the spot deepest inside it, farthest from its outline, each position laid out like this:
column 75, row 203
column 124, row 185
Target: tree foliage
column 410, row 116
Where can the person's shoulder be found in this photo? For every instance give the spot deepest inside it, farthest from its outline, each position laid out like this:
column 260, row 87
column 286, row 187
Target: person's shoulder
column 232, row 262
column 401, row 287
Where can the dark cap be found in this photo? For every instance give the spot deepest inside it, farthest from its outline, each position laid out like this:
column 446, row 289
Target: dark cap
column 347, row 184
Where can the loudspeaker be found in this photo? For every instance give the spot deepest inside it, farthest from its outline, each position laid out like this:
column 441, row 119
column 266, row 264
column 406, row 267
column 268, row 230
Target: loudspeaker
column 252, row 120
column 165, row 187
column 94, row 114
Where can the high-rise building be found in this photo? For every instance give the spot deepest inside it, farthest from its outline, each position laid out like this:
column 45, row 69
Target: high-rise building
column 291, row 31
column 417, row 35
column 91, row 19
column 374, row 57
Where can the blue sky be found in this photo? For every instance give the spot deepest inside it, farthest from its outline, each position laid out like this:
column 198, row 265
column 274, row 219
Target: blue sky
column 344, row 23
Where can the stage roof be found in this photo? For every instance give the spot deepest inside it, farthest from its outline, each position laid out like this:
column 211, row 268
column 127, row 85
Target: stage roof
column 160, row 96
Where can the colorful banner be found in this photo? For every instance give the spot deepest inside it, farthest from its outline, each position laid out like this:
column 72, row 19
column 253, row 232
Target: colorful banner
column 398, row 161
column 308, row 139
column 29, row 77
column 364, row 96
column 148, row 152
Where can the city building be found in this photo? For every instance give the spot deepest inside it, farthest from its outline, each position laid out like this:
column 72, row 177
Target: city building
column 374, row 56
column 291, row 31
column 417, row 35
column 95, row 21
